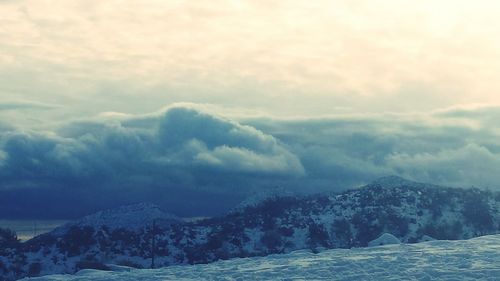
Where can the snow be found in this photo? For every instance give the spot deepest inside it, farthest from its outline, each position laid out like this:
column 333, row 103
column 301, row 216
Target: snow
column 259, row 197
column 114, row 267
column 426, row 238
column 474, row 259
column 384, row 239
column 342, row 217
column 133, row 216
column 395, row 181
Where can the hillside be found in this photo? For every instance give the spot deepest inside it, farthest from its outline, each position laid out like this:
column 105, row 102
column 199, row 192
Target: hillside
column 475, row 259
column 410, row 211
column 132, row 217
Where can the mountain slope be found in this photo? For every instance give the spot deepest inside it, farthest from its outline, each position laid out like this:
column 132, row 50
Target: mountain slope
column 475, row 259
column 133, row 217
column 410, row 211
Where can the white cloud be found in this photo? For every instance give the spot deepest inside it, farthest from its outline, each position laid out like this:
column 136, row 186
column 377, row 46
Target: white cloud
column 240, row 159
column 23, row 104
column 185, row 155
column 96, row 56
column 469, row 165
column 221, row 143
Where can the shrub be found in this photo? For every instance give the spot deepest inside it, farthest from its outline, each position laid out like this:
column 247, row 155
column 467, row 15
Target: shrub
column 318, row 236
column 443, row 231
column 76, row 239
column 477, row 212
column 342, row 231
column 272, row 240
column 8, row 239
column 397, row 224
column 91, row 265
column 286, row 231
column 367, row 227
column 34, row 269
column 129, row 263
column 196, row 255
column 214, row 241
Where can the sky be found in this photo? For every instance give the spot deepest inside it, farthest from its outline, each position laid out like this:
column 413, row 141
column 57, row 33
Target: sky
column 195, row 105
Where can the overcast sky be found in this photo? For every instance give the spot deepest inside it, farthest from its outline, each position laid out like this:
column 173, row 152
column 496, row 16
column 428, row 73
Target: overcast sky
column 225, row 98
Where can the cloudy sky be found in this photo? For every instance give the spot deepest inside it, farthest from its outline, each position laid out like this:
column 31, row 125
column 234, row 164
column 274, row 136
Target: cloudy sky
column 196, row 104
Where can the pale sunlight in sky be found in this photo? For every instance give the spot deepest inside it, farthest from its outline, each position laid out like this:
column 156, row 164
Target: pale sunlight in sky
column 284, row 58
column 191, row 102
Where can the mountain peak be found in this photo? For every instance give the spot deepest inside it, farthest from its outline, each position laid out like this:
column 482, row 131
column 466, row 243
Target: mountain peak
column 134, row 216
column 257, row 198
column 394, row 181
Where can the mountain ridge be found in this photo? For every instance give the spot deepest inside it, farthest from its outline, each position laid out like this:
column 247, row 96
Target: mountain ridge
column 132, row 216
column 412, row 212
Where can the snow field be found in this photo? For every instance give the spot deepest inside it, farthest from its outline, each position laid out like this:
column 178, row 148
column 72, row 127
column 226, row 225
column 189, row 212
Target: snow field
column 474, row 259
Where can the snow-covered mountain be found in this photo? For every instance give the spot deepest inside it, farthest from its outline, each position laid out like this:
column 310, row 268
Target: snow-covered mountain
column 474, row 259
column 395, row 181
column 28, row 259
column 261, row 196
column 132, row 217
column 410, row 211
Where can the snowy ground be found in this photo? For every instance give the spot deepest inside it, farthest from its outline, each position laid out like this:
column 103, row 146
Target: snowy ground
column 475, row 259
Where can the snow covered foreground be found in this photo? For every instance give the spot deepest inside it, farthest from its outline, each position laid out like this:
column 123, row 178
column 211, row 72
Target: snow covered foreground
column 474, row 259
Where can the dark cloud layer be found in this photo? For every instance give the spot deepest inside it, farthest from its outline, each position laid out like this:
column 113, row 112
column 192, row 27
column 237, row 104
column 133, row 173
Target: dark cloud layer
column 195, row 163
column 439, row 148
column 189, row 160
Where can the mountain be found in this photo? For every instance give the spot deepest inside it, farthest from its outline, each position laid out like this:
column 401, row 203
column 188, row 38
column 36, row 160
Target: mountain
column 132, row 217
column 409, row 211
column 395, row 181
column 474, row 259
column 259, row 197
column 31, row 258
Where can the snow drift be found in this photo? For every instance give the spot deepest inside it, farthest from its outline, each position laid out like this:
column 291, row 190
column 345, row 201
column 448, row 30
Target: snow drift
column 474, row 259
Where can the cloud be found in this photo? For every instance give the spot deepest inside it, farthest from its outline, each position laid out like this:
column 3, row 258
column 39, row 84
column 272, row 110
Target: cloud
column 195, row 162
column 469, row 165
column 346, row 151
column 351, row 60
column 184, row 137
column 214, row 142
column 18, row 105
column 476, row 115
column 180, row 154
column 271, row 57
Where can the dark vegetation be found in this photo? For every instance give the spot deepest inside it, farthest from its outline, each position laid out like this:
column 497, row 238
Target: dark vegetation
column 276, row 225
column 8, row 240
